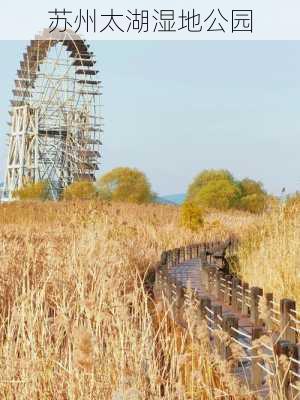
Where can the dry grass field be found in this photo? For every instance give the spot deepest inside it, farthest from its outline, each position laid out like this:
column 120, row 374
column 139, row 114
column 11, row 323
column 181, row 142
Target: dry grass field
column 270, row 254
column 75, row 319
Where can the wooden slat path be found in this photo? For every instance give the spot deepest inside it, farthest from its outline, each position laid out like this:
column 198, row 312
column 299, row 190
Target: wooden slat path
column 188, row 274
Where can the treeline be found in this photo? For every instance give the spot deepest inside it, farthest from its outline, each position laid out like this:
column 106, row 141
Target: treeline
column 216, row 189
column 120, row 184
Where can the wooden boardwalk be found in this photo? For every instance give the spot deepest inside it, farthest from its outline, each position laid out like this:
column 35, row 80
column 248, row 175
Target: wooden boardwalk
column 263, row 328
column 188, row 274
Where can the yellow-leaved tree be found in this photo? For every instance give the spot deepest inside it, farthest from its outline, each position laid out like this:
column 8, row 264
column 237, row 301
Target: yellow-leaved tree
column 33, row 191
column 84, row 190
column 125, row 184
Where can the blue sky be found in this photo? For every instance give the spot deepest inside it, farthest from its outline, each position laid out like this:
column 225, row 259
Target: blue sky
column 174, row 108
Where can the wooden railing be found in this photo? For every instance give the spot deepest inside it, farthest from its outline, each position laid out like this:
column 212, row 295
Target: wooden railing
column 234, row 313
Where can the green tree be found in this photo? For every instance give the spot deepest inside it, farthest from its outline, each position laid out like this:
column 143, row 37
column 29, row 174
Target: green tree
column 218, row 189
column 125, row 184
column 254, row 203
column 191, row 216
column 33, row 191
column 249, row 187
column 253, row 196
column 219, row 194
column 205, row 177
column 84, row 190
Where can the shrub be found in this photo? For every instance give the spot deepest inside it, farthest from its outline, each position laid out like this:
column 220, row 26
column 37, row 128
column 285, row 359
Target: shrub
column 125, row 184
column 191, row 216
column 33, row 191
column 84, row 190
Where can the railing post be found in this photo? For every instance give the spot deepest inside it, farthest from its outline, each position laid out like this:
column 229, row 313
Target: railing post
column 171, row 293
column 179, row 303
column 211, row 249
column 218, row 284
column 255, row 292
column 157, row 288
column 173, row 299
column 284, row 351
column 185, row 296
column 164, row 258
column 204, row 301
column 194, row 251
column 169, row 259
column 174, row 251
column 159, row 276
column 217, row 310
column 234, row 296
column 269, row 308
column 191, row 251
column 295, row 389
column 229, row 322
column 203, row 257
column 208, row 252
column 222, row 286
column 245, row 308
column 239, row 296
column 174, row 256
column 256, row 371
column 178, row 255
column 287, row 323
column 182, row 254
column 197, row 250
column 210, row 276
column 204, row 275
column 166, row 287
column 188, row 251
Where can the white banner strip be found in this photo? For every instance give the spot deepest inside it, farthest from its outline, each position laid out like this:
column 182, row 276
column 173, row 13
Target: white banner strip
column 155, row 20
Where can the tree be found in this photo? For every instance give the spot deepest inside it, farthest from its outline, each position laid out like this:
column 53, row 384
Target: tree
column 205, row 177
column 125, row 184
column 33, row 191
column 253, row 196
column 249, row 187
column 218, row 189
column 84, row 190
column 219, row 194
column 254, row 203
column 191, row 216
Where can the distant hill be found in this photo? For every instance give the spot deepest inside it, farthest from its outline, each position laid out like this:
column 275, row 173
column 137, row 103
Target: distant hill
column 172, row 199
